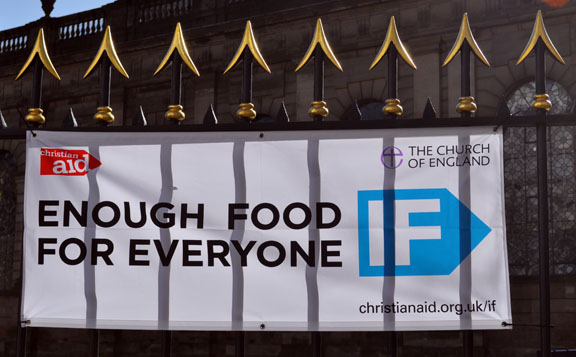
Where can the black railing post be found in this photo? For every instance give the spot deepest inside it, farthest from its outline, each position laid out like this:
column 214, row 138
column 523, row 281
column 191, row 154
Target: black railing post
column 176, row 92
column 248, row 51
column 94, row 343
column 316, row 344
column 321, row 50
column 392, row 343
column 104, row 114
column 104, row 117
column 393, row 47
column 175, row 113
column 465, row 44
column 247, row 66
column 22, row 331
column 540, row 71
column 40, row 59
column 543, row 235
column 392, row 77
column 106, row 57
column 105, row 82
column 318, row 81
column 178, row 55
column 465, row 90
column 35, row 117
column 318, row 113
column 166, row 345
column 541, row 42
column 22, row 340
column 38, row 74
column 239, row 344
column 543, row 239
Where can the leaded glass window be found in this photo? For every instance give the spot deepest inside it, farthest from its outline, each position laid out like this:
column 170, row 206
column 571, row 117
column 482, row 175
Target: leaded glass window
column 520, row 101
column 521, row 186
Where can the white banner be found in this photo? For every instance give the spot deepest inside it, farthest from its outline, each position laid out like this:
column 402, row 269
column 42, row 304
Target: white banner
column 283, row 230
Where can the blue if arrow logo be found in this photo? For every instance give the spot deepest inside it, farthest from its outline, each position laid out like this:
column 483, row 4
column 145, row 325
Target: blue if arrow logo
column 460, row 231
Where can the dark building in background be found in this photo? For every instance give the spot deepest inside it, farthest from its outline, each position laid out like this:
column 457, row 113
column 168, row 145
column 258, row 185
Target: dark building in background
column 142, row 31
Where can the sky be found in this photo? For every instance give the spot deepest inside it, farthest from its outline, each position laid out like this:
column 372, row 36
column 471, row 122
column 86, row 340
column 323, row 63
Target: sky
column 15, row 13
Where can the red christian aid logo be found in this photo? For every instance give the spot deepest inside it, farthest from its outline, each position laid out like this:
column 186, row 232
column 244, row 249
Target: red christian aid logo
column 66, row 162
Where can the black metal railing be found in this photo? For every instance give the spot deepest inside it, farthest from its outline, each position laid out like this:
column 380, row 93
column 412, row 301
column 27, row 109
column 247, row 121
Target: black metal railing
column 88, row 24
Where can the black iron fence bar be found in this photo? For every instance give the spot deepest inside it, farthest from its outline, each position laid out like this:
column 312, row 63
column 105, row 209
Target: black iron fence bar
column 392, row 73
column 318, row 118
column 468, row 335
column 166, row 344
column 540, row 42
column 105, row 82
column 239, row 344
column 94, row 346
column 176, row 90
column 465, row 113
column 392, row 95
column 316, row 344
column 543, row 235
column 465, row 44
column 321, row 50
column 22, row 339
column 543, row 238
column 465, row 76
column 36, row 101
column 178, row 55
column 248, row 51
column 318, row 80
column 40, row 58
column 104, row 114
column 22, row 331
column 247, row 70
column 392, row 47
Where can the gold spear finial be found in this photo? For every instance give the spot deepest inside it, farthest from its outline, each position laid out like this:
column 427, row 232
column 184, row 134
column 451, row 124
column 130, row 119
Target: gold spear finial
column 465, row 34
column 319, row 39
column 176, row 110
column 539, row 32
column 392, row 38
column 40, row 50
column 108, row 46
column 248, row 40
column 541, row 100
column 179, row 45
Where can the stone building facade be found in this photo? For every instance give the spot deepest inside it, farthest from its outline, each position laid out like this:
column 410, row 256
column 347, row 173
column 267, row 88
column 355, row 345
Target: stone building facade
column 142, row 31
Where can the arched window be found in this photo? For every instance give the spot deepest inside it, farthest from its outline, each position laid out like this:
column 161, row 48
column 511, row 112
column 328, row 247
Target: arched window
column 521, row 186
column 521, row 99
